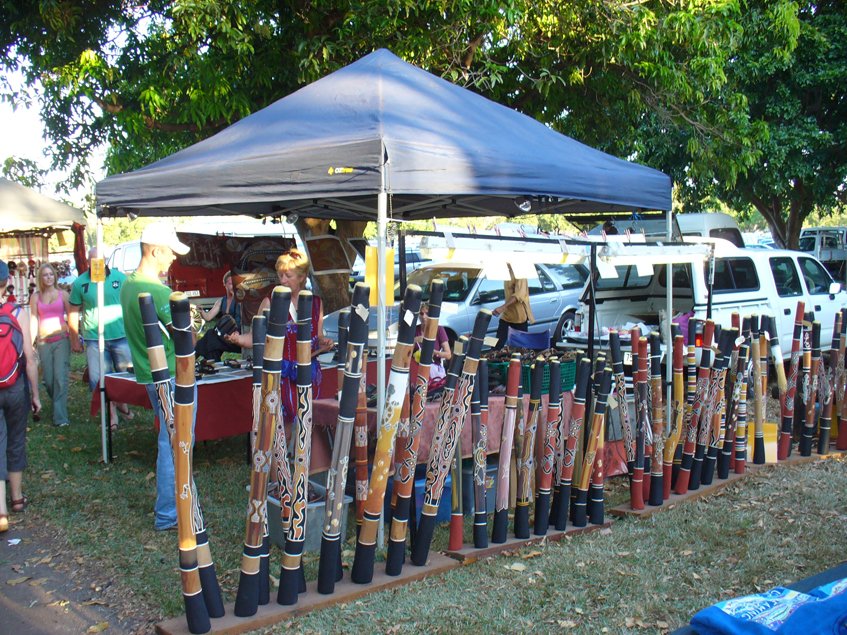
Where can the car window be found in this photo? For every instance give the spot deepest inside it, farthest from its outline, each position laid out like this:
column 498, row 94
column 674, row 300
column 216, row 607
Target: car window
column 816, row 277
column 807, row 243
column 830, row 242
column 681, row 276
column 458, row 281
column 733, row 275
column 569, row 276
column 131, row 257
column 732, row 234
column 785, row 277
column 628, row 278
column 491, row 291
column 542, row 284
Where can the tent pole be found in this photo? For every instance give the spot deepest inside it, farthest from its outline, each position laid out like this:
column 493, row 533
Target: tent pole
column 104, row 423
column 669, row 330
column 382, row 224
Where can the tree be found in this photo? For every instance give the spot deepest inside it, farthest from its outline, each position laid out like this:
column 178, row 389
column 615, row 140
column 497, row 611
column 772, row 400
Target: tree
column 793, row 80
column 153, row 77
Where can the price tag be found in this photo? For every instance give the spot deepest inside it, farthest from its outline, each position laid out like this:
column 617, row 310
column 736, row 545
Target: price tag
column 98, row 270
column 408, row 317
column 362, row 312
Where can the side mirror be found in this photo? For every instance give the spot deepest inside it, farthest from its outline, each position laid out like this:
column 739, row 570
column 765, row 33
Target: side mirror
column 834, row 288
column 476, row 300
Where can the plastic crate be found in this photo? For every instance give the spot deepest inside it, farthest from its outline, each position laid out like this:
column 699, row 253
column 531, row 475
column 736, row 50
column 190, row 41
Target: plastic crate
column 498, row 373
column 567, row 372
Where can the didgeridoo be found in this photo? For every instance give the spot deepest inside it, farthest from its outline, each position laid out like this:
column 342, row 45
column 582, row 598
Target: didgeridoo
column 329, row 569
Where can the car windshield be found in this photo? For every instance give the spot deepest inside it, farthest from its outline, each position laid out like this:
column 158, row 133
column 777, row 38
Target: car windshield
column 458, row 281
column 807, row 243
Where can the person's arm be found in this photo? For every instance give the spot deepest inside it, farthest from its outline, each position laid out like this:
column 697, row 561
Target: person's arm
column 245, row 340
column 324, row 343
column 33, row 319
column 444, row 352
column 73, row 327
column 31, row 366
column 211, row 313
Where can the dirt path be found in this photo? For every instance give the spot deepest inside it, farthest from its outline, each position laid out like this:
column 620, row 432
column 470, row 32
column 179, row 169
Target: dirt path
column 46, row 589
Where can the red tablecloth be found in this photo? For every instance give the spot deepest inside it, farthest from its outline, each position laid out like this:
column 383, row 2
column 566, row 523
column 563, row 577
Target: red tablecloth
column 224, row 408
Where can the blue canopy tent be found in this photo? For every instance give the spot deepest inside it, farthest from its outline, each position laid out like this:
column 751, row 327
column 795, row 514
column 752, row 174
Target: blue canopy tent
column 383, row 139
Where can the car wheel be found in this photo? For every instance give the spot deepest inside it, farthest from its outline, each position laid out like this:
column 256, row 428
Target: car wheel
column 565, row 324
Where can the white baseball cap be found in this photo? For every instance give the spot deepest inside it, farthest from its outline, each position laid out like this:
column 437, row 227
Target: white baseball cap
column 164, row 234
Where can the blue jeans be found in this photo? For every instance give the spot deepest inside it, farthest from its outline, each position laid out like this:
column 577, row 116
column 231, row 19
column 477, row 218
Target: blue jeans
column 165, row 475
column 116, row 358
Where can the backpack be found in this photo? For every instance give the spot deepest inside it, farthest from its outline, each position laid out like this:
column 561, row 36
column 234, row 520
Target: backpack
column 11, row 346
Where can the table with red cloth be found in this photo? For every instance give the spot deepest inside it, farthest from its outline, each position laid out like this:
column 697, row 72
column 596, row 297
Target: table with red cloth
column 224, row 401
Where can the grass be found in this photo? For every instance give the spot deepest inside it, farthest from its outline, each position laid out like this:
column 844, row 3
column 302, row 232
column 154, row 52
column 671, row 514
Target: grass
column 776, row 526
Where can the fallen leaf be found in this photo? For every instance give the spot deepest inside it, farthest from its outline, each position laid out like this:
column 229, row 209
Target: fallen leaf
column 38, row 582
column 623, row 553
column 93, row 602
column 98, row 628
column 17, row 581
column 79, row 560
column 578, row 611
column 629, row 622
column 696, row 577
column 605, row 531
column 347, row 553
column 662, row 624
column 566, row 623
column 79, row 449
column 274, row 580
column 580, row 564
column 531, row 554
column 516, row 566
column 45, row 560
column 150, row 475
column 687, row 553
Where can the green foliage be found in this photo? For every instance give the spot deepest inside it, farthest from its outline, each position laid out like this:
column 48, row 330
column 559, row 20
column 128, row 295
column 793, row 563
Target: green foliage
column 790, row 66
column 151, row 78
column 24, row 171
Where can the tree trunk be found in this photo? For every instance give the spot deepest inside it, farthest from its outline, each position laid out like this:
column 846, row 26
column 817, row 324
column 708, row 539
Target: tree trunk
column 334, row 288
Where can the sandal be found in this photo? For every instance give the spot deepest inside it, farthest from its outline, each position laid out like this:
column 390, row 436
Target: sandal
column 4, row 523
column 20, row 504
column 129, row 415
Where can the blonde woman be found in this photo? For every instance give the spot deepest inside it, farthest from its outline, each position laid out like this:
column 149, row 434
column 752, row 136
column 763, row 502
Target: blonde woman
column 292, row 268
column 49, row 310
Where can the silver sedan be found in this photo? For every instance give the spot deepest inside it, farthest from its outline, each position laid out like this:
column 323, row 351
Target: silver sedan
column 553, row 296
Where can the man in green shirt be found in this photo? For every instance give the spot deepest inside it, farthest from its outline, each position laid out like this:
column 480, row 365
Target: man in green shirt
column 159, row 246
column 116, row 355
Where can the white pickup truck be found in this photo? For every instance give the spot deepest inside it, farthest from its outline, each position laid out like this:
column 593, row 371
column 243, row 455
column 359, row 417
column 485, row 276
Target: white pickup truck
column 829, row 245
column 747, row 281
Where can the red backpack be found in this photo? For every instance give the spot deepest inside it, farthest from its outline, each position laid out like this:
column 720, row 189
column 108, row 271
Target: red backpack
column 11, row 345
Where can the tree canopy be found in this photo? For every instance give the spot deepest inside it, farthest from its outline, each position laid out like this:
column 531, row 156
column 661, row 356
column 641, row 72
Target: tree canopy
column 692, row 88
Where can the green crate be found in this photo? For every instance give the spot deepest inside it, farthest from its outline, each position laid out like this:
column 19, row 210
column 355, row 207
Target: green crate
column 498, row 373
column 567, row 373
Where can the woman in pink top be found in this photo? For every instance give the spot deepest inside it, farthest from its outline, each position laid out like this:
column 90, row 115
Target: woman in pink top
column 49, row 308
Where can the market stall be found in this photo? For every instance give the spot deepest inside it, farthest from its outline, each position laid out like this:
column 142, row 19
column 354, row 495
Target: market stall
column 27, row 220
column 376, row 141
